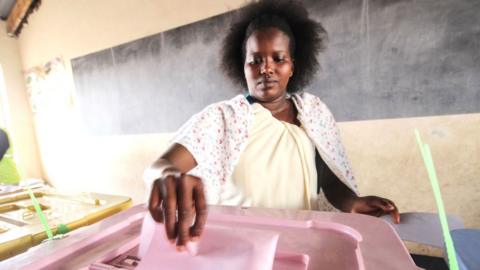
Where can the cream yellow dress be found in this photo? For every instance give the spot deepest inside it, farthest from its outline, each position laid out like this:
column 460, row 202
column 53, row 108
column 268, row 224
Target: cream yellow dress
column 276, row 169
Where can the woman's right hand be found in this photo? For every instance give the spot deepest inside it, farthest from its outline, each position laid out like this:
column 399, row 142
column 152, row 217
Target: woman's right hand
column 178, row 200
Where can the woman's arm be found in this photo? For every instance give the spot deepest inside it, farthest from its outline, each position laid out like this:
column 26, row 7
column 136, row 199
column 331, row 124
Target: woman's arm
column 177, row 199
column 176, row 158
column 337, row 193
column 344, row 199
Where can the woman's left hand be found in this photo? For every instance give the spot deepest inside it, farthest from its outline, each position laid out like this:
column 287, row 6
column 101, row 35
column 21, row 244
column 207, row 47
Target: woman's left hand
column 375, row 206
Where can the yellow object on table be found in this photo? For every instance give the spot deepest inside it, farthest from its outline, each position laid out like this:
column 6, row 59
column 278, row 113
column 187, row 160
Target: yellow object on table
column 21, row 228
column 8, row 169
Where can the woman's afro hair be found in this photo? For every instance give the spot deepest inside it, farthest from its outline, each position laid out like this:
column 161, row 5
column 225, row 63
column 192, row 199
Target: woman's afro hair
column 307, row 39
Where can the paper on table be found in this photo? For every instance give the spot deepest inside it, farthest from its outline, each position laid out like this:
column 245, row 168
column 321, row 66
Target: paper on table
column 423, row 228
column 220, row 247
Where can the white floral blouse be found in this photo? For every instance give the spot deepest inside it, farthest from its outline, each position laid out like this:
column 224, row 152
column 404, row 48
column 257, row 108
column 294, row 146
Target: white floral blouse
column 217, row 135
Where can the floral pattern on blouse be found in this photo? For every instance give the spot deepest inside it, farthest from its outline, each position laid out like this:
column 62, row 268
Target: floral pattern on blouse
column 217, row 136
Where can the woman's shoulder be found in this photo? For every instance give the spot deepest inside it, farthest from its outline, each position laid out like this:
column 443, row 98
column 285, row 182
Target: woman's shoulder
column 308, row 102
column 237, row 104
column 235, row 108
column 216, row 119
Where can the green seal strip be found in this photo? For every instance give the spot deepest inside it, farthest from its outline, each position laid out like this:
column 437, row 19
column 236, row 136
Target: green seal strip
column 432, row 175
column 40, row 214
column 62, row 229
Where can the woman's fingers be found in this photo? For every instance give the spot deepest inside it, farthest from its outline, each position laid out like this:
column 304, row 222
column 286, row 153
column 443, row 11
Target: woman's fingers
column 176, row 200
column 388, row 207
column 394, row 212
column 170, row 206
column 200, row 210
column 185, row 210
column 183, row 200
column 376, row 212
column 395, row 215
column 377, row 206
column 379, row 203
column 155, row 202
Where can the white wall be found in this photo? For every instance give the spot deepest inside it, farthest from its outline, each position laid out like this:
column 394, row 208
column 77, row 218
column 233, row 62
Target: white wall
column 18, row 114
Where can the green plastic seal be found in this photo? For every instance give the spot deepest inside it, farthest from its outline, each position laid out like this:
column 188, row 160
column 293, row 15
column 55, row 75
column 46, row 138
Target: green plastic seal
column 62, row 229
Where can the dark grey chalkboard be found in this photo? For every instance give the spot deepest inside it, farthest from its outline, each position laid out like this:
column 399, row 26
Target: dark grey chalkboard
column 386, row 59
column 153, row 84
column 413, row 58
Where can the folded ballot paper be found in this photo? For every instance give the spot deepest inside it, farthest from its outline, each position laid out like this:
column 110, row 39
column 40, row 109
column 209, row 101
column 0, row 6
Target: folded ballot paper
column 220, row 247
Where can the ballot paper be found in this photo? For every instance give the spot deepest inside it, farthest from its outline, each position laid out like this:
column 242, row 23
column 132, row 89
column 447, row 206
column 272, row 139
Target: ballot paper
column 220, row 247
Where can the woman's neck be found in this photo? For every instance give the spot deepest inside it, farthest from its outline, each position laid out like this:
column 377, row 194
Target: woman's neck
column 282, row 109
column 276, row 106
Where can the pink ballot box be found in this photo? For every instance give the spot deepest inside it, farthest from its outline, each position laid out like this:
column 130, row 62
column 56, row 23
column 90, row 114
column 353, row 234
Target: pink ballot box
column 234, row 238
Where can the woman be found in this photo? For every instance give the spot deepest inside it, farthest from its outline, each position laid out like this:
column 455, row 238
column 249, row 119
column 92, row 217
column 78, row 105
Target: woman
column 276, row 147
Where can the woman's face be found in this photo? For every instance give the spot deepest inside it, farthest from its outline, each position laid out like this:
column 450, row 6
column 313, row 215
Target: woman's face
column 268, row 64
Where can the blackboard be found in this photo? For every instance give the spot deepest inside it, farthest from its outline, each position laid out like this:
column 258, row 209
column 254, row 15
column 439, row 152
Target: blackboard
column 385, row 59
